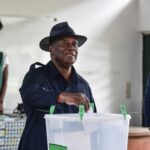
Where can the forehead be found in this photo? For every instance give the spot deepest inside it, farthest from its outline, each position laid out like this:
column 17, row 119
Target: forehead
column 70, row 38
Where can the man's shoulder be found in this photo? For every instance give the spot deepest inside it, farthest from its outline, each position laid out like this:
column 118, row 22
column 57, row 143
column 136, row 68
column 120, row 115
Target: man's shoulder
column 35, row 69
column 34, row 73
column 82, row 80
column 36, row 65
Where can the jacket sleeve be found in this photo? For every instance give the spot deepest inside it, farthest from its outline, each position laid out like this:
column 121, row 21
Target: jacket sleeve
column 33, row 94
column 91, row 98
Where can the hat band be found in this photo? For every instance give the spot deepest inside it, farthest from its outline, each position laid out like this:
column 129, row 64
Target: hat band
column 55, row 36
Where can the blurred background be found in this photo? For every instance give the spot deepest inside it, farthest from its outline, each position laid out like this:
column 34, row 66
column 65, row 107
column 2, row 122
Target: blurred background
column 111, row 60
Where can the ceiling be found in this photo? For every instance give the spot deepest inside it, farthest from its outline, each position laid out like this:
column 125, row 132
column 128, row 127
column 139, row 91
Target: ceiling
column 33, row 8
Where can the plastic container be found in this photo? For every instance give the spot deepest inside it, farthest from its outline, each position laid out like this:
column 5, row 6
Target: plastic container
column 94, row 132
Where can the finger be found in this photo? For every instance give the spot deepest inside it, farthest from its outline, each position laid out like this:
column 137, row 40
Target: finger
column 86, row 104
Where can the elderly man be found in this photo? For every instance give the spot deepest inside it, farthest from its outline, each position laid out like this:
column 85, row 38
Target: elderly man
column 56, row 83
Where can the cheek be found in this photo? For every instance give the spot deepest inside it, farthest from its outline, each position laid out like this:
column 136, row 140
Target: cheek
column 58, row 53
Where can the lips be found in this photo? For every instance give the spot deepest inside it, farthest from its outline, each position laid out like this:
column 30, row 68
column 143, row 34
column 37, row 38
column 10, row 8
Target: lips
column 71, row 54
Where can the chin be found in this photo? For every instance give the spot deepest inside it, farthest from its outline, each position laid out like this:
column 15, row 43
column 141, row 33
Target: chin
column 69, row 63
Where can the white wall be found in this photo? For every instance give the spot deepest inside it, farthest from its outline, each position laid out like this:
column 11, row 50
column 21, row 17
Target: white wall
column 110, row 58
column 34, row 8
column 144, row 11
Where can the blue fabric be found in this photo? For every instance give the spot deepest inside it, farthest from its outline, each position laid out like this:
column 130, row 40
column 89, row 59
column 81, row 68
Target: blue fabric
column 146, row 105
column 40, row 90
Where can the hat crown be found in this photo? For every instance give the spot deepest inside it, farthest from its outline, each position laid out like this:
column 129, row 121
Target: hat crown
column 61, row 29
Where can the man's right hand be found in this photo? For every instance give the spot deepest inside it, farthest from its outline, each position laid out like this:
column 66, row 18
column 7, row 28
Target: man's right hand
column 74, row 99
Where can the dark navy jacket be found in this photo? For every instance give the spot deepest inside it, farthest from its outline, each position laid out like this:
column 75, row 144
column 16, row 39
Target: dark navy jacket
column 146, row 105
column 40, row 90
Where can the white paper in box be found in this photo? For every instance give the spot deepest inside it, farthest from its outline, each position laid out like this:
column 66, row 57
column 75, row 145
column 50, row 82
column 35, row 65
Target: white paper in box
column 94, row 132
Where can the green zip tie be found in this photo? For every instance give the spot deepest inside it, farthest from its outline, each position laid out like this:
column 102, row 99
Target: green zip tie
column 81, row 111
column 92, row 105
column 52, row 109
column 57, row 147
column 123, row 111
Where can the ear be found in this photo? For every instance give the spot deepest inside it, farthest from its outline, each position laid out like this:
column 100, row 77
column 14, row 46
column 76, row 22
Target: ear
column 51, row 49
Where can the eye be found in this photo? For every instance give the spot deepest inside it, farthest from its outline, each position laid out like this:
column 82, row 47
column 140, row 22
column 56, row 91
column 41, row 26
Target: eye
column 65, row 44
column 75, row 43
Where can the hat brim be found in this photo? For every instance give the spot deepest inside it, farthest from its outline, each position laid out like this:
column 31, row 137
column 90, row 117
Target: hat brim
column 45, row 42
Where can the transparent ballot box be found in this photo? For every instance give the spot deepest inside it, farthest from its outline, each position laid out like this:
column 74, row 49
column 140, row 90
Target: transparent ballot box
column 93, row 132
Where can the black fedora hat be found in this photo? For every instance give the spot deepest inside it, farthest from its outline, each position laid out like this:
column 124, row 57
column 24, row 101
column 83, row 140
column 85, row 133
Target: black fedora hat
column 60, row 30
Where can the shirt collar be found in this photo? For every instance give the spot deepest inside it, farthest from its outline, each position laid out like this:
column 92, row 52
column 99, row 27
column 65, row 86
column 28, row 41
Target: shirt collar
column 52, row 71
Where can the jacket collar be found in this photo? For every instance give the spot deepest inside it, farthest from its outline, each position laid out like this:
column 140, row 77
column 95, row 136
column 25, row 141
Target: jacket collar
column 53, row 72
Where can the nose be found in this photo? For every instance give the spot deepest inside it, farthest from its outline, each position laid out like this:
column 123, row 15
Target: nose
column 71, row 46
column 72, row 49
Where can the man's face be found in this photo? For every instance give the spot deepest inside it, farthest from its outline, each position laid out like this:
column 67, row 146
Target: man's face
column 64, row 50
